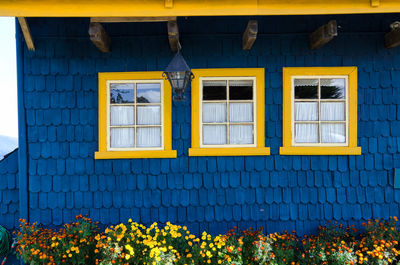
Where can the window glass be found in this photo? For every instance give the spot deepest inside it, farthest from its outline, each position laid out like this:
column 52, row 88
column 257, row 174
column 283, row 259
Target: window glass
column 332, row 88
column 148, row 93
column 122, row 115
column 148, row 115
column 241, row 134
column 306, row 133
column 234, row 114
column 214, row 134
column 306, row 88
column 122, row 93
column 214, row 112
column 122, row 137
column 333, row 133
column 135, row 124
column 148, row 136
column 214, row 90
column 241, row 112
column 306, row 111
column 321, row 101
column 240, row 89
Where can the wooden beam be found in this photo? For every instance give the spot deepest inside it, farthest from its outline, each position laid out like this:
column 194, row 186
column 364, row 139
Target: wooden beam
column 27, row 33
column 99, row 37
column 323, row 35
column 392, row 38
column 130, row 19
column 250, row 35
column 173, row 35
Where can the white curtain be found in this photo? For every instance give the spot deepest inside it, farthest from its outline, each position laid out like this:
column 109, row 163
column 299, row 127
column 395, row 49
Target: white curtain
column 306, row 111
column 241, row 83
column 241, row 134
column 149, row 115
column 214, row 112
column 122, row 115
column 214, row 134
column 306, row 133
column 332, row 111
column 241, row 112
column 122, row 137
column 149, row 137
column 333, row 133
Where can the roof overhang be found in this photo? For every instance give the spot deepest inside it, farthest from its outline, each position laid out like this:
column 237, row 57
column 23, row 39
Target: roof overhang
column 155, row 8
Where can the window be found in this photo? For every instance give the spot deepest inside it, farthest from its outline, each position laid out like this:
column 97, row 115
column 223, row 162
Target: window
column 134, row 116
column 320, row 111
column 228, row 112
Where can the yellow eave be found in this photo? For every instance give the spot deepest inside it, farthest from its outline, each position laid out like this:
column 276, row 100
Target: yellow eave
column 154, row 8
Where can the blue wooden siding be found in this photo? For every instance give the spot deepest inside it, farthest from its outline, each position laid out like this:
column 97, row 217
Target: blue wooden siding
column 9, row 213
column 208, row 193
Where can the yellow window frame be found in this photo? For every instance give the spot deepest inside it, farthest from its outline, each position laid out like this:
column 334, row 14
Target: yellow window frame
column 314, row 149
column 259, row 148
column 104, row 152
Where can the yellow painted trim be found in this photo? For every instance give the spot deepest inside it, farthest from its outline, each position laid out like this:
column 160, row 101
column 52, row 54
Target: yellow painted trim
column 135, row 154
column 152, row 8
column 287, row 148
column 103, row 153
column 240, row 151
column 260, row 148
column 305, row 150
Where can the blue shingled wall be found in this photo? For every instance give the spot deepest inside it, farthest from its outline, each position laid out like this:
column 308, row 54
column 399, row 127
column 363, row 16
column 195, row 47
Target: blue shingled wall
column 208, row 193
column 9, row 213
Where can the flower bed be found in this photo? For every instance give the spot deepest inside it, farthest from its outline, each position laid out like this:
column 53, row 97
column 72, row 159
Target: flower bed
column 81, row 243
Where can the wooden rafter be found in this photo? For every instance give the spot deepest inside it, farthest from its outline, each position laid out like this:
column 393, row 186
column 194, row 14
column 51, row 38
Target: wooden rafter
column 173, row 35
column 27, row 33
column 99, row 37
column 392, row 38
column 130, row 19
column 250, row 35
column 323, row 35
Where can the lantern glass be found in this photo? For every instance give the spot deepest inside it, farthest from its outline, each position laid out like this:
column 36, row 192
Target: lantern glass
column 179, row 75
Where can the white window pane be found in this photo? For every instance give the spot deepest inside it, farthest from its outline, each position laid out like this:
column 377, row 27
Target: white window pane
column 122, row 137
column 306, row 133
column 149, row 115
column 214, row 134
column 333, row 133
column 306, row 111
column 214, row 112
column 149, row 137
column 241, row 134
column 332, row 111
column 148, row 93
column 122, row 115
column 241, row 112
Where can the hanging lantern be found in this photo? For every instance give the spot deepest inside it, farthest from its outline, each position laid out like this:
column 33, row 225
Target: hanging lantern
column 179, row 75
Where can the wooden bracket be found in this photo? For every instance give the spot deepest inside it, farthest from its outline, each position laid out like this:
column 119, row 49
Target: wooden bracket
column 99, row 37
column 323, row 35
column 250, row 35
column 173, row 35
column 27, row 33
column 392, row 38
column 130, row 19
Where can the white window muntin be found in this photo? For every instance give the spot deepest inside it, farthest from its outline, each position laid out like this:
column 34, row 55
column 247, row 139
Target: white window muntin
column 135, row 104
column 319, row 100
column 227, row 101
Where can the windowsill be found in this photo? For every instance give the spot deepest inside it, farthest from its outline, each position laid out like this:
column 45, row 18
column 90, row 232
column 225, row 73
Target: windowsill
column 235, row 151
column 320, row 150
column 135, row 154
